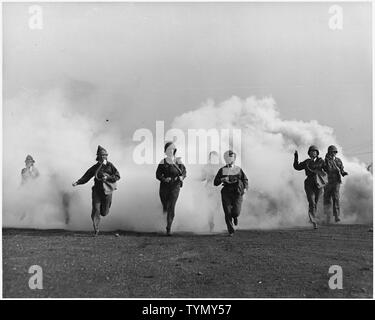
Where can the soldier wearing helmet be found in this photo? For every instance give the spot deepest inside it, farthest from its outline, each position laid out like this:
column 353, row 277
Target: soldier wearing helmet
column 235, row 184
column 335, row 170
column 106, row 175
column 311, row 165
column 30, row 172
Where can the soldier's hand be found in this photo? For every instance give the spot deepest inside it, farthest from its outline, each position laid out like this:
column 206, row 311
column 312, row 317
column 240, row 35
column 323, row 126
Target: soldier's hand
column 344, row 174
column 167, row 179
column 74, row 184
column 225, row 179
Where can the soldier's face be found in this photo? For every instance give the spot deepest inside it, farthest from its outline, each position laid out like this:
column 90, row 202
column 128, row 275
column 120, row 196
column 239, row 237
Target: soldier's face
column 332, row 153
column 102, row 157
column 29, row 164
column 230, row 159
column 313, row 153
column 170, row 151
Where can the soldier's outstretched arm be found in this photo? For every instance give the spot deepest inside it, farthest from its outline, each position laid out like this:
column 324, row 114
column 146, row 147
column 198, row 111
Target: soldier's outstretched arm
column 86, row 177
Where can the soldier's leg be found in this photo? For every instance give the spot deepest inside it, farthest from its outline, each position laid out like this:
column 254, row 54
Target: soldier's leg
column 237, row 205
column 66, row 204
column 164, row 199
column 310, row 195
column 106, row 202
column 227, row 206
column 171, row 207
column 336, row 202
column 327, row 203
column 211, row 219
column 95, row 213
column 317, row 195
column 212, row 209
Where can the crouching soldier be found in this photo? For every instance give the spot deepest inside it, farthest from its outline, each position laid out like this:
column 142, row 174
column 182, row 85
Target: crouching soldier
column 235, row 184
column 105, row 179
column 313, row 191
column 335, row 170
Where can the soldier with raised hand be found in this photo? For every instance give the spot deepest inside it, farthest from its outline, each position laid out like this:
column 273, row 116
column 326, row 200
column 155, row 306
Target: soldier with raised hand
column 235, row 184
column 313, row 192
column 106, row 175
column 335, row 170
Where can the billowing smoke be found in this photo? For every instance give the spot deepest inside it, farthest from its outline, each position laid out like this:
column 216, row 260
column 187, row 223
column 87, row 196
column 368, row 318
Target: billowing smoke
column 276, row 197
column 63, row 142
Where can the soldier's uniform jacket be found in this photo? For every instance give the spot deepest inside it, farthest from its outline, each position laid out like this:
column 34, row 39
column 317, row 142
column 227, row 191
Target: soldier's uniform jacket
column 98, row 170
column 335, row 169
column 237, row 180
column 310, row 166
column 29, row 174
column 170, row 170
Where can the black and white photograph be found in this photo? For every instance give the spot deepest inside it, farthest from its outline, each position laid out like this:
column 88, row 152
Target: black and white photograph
column 187, row 150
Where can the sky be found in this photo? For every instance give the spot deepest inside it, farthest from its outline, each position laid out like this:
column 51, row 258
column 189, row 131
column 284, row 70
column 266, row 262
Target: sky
column 135, row 63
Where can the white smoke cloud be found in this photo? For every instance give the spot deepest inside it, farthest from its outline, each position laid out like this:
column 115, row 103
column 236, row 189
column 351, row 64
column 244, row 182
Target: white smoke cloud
column 276, row 197
column 63, row 142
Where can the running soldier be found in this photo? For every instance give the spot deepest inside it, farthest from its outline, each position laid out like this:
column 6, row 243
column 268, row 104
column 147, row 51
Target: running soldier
column 335, row 170
column 235, row 184
column 105, row 179
column 313, row 192
column 170, row 172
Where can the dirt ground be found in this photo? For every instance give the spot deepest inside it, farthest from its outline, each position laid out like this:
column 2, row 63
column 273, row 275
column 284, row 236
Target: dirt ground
column 252, row 264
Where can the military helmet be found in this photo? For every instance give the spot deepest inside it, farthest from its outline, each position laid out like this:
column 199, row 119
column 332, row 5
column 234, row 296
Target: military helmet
column 332, row 149
column 101, row 151
column 29, row 159
column 313, row 148
column 229, row 153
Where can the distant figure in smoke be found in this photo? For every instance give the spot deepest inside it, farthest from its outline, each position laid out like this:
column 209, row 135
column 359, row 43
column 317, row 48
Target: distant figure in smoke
column 313, row 192
column 235, row 184
column 208, row 175
column 335, row 170
column 30, row 172
column 170, row 172
column 369, row 167
column 106, row 176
